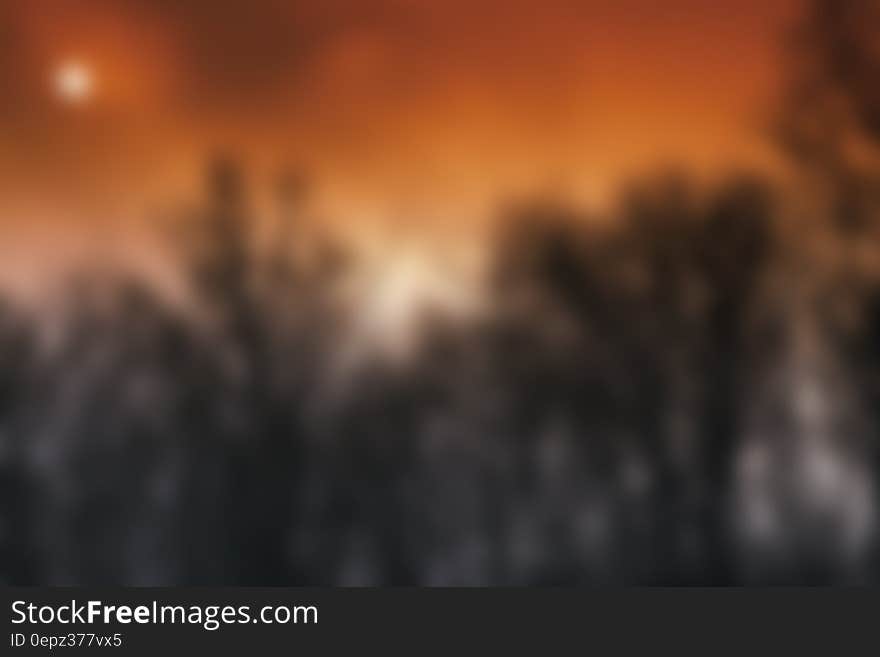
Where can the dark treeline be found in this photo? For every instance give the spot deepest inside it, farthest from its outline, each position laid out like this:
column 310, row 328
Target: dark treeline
column 685, row 392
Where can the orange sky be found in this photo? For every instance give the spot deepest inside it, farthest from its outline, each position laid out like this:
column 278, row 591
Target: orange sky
column 414, row 111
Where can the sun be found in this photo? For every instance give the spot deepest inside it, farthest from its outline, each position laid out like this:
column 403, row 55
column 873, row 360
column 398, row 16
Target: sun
column 74, row 82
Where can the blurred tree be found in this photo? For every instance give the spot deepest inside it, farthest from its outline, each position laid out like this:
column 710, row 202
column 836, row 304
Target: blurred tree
column 259, row 426
column 18, row 560
column 830, row 124
column 736, row 249
column 830, row 117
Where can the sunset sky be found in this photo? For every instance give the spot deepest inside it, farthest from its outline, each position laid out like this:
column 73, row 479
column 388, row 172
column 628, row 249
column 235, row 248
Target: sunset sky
column 416, row 112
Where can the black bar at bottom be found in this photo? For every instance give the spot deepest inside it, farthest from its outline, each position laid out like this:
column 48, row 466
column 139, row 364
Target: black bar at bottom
column 418, row 621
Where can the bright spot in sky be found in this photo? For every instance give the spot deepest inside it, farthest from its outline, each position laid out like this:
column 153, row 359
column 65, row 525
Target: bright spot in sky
column 396, row 293
column 74, row 82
